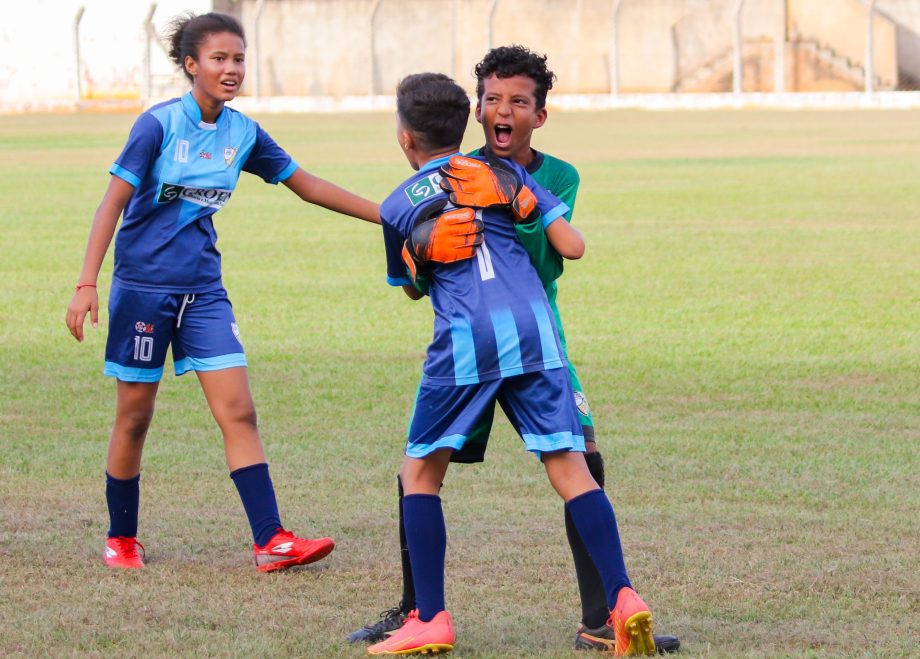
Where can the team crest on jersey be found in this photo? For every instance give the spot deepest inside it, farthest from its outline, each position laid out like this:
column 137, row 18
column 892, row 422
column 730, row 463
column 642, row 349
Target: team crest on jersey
column 146, row 328
column 424, row 188
column 230, row 154
column 582, row 403
column 207, row 197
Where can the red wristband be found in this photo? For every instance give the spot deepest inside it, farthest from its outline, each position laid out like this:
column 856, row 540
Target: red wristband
column 79, row 286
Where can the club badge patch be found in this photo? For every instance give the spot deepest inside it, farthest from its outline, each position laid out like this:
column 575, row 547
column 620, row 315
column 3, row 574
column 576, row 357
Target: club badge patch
column 424, row 188
column 582, row 404
column 230, row 154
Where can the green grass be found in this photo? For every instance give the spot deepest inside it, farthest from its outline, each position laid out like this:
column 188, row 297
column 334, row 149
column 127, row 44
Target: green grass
column 746, row 322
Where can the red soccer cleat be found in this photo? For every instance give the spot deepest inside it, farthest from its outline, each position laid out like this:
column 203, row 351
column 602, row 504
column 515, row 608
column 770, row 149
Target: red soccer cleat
column 417, row 637
column 285, row 550
column 122, row 552
column 632, row 624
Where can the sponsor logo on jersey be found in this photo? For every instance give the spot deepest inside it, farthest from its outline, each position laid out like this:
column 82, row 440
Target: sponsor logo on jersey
column 207, row 197
column 146, row 328
column 205, row 155
column 230, row 154
column 423, row 189
column 582, row 403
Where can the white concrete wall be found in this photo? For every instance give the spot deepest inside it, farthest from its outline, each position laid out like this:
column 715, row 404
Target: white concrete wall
column 324, row 48
column 38, row 68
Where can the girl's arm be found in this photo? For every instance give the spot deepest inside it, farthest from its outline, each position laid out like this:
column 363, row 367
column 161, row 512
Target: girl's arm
column 565, row 239
column 328, row 195
column 86, row 299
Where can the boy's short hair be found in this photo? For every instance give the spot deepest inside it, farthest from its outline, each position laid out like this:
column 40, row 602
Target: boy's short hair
column 434, row 108
column 515, row 60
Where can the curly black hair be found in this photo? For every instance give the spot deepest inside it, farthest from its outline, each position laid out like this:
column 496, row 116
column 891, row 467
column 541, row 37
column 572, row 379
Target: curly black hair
column 434, row 107
column 515, row 60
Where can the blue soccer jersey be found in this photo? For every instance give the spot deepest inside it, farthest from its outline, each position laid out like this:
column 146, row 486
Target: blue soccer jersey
column 492, row 319
column 183, row 171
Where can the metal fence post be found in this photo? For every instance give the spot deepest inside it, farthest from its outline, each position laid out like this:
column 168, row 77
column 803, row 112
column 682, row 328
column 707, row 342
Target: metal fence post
column 738, row 66
column 869, row 71
column 779, row 51
column 576, row 38
column 615, row 48
column 260, row 5
column 76, row 52
column 492, row 9
column 148, row 75
column 375, row 5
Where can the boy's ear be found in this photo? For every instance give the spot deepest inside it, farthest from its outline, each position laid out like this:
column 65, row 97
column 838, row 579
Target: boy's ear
column 541, row 117
column 191, row 65
column 478, row 111
column 406, row 141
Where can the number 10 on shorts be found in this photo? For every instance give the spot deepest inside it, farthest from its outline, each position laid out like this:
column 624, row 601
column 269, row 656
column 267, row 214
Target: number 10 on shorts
column 143, row 348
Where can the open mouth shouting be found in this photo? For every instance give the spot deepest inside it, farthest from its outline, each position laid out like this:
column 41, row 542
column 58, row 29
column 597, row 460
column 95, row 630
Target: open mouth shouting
column 502, row 136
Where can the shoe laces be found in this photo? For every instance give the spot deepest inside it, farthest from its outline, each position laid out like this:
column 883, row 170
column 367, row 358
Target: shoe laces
column 128, row 547
column 385, row 616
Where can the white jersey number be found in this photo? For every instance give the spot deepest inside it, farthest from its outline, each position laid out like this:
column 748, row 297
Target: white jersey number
column 486, row 271
column 143, row 348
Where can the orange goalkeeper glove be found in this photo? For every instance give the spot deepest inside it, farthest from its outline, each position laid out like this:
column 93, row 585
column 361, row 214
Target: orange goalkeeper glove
column 478, row 184
column 442, row 237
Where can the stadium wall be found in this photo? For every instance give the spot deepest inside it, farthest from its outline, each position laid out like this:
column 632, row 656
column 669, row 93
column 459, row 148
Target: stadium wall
column 351, row 53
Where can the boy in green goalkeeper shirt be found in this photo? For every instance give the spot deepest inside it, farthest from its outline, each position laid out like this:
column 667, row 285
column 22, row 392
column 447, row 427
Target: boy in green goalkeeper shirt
column 512, row 84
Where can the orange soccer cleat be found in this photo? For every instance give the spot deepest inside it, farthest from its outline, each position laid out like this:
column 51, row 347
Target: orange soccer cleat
column 632, row 624
column 285, row 550
column 122, row 552
column 417, row 637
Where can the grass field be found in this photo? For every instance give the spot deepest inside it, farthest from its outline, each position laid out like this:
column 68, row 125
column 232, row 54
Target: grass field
column 746, row 322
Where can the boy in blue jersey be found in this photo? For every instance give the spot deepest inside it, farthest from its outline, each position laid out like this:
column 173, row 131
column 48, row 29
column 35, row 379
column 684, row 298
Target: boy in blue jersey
column 179, row 167
column 494, row 340
column 512, row 83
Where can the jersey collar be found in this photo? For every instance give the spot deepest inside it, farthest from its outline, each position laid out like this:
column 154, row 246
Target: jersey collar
column 194, row 112
column 534, row 165
column 436, row 164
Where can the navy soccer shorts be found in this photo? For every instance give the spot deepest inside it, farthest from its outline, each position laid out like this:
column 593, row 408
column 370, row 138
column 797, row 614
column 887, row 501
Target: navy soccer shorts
column 540, row 406
column 200, row 327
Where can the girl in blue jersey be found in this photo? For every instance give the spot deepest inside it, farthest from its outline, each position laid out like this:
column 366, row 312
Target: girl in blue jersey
column 180, row 166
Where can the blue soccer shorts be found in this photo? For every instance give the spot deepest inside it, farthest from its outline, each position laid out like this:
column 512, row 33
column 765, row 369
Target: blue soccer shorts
column 200, row 327
column 540, row 406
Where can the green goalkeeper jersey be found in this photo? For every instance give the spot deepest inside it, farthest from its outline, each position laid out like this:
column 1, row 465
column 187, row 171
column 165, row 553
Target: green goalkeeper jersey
column 560, row 178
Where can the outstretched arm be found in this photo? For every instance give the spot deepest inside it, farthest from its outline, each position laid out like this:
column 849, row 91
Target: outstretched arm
column 328, row 195
column 85, row 299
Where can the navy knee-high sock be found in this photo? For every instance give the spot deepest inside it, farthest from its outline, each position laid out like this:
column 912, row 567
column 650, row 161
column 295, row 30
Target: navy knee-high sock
column 594, row 609
column 123, row 497
column 258, row 495
column 593, row 517
column 427, row 539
